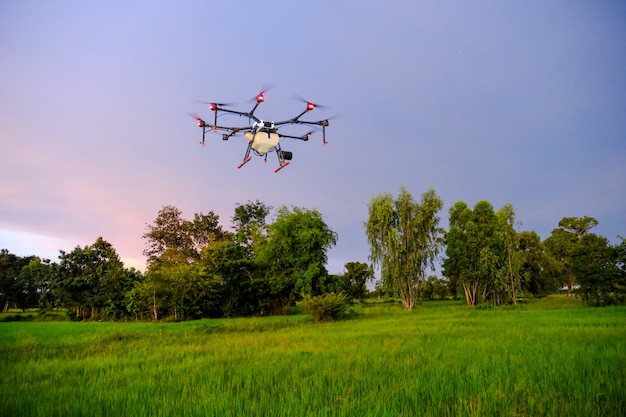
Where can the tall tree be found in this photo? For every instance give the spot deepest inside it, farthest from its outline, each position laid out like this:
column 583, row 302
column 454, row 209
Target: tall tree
column 294, row 256
column 33, row 283
column 539, row 271
column 92, row 281
column 510, row 240
column 456, row 263
column 482, row 252
column 598, row 268
column 563, row 241
column 12, row 289
column 404, row 239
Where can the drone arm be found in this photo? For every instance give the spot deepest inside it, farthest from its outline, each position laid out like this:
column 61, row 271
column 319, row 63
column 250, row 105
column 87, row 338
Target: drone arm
column 249, row 115
column 303, row 138
column 292, row 121
column 322, row 123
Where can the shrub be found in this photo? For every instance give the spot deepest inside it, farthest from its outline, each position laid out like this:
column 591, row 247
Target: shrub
column 326, row 307
column 16, row 317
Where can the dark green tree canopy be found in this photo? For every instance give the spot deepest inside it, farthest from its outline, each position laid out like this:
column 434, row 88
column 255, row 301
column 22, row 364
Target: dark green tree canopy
column 295, row 254
column 562, row 243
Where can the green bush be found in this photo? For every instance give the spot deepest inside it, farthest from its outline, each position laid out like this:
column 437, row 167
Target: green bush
column 16, row 317
column 326, row 307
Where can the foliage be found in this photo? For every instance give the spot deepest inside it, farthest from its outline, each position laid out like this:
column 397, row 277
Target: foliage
column 355, row 278
column 17, row 288
column 92, row 281
column 249, row 222
column 294, row 257
column 326, row 307
column 171, row 235
column 489, row 259
column 508, row 277
column 404, row 240
column 240, row 291
column 434, row 288
column 563, row 242
column 196, row 269
column 471, row 252
column 539, row 271
column 179, row 291
column 599, row 269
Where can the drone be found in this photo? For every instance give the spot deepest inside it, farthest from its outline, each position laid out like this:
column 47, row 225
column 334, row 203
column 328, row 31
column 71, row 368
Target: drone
column 262, row 135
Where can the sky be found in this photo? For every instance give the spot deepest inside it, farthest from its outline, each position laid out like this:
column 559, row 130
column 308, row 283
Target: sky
column 509, row 102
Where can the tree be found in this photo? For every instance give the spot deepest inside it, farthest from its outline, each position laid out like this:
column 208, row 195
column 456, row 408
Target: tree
column 598, row 268
column 434, row 288
column 563, row 241
column 33, row 282
column 173, row 237
column 294, row 257
column 10, row 267
column 404, row 239
column 510, row 240
column 241, row 293
column 167, row 232
column 482, row 253
column 355, row 279
column 203, row 230
column 579, row 226
column 539, row 272
column 458, row 257
column 93, row 281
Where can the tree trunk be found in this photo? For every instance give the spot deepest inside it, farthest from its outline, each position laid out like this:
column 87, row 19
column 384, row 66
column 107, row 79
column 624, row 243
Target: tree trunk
column 154, row 307
column 512, row 280
column 470, row 293
column 6, row 306
column 570, row 284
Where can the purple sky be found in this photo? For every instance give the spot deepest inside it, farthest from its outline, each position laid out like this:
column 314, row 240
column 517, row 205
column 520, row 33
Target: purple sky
column 510, row 102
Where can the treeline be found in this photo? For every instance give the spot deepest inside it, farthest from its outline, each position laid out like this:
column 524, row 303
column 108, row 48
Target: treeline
column 485, row 258
column 196, row 268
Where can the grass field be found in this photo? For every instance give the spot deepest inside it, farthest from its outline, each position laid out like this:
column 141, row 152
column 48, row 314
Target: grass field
column 550, row 357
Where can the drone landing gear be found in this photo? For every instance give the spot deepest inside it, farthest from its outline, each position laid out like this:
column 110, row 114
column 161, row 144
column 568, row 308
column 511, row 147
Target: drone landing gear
column 245, row 161
column 247, row 157
column 283, row 158
column 281, row 167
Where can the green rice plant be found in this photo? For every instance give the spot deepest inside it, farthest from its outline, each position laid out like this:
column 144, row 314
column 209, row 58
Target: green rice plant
column 442, row 359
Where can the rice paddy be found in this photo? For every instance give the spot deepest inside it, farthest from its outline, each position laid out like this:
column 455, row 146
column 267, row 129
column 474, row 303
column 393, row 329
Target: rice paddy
column 549, row 357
